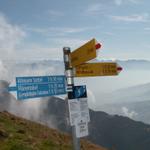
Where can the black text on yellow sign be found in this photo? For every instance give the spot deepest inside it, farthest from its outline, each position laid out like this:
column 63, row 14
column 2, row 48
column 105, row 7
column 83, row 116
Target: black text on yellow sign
column 96, row 69
column 84, row 53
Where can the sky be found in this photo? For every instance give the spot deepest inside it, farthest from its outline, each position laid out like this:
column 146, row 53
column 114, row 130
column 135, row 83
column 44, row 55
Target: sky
column 39, row 29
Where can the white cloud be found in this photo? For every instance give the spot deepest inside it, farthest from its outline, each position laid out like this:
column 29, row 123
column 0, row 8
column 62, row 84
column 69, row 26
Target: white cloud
column 120, row 2
column 147, row 29
column 147, row 45
column 132, row 18
column 54, row 13
column 130, row 114
column 68, row 42
column 35, row 51
column 4, row 75
column 97, row 9
column 91, row 99
column 110, row 33
column 135, row 1
column 10, row 36
column 57, row 31
column 94, row 9
column 50, row 15
column 53, row 52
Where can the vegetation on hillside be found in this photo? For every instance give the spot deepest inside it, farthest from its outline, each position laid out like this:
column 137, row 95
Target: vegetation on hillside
column 20, row 134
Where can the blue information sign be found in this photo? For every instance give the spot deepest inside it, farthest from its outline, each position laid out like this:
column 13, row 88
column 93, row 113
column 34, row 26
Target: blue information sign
column 12, row 88
column 40, row 86
column 78, row 92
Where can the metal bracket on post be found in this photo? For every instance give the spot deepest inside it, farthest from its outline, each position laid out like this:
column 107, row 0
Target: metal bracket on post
column 70, row 84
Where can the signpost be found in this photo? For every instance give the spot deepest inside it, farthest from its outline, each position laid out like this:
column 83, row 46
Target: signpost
column 70, row 85
column 75, row 66
column 97, row 69
column 40, row 86
column 84, row 53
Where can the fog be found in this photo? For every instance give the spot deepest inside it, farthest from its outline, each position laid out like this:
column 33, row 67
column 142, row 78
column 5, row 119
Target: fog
column 99, row 88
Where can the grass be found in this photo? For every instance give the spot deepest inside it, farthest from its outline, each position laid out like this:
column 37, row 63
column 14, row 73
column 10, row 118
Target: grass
column 20, row 134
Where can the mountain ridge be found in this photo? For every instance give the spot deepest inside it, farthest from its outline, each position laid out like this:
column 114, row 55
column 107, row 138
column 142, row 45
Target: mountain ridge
column 110, row 131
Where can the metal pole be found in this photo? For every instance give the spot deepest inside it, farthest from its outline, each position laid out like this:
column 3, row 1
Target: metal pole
column 70, row 84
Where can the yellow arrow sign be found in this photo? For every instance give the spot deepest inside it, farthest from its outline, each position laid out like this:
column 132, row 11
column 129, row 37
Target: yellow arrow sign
column 97, row 69
column 84, row 53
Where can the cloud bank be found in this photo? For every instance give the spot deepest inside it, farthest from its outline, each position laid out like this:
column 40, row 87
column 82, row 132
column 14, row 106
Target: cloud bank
column 130, row 114
column 132, row 18
column 10, row 37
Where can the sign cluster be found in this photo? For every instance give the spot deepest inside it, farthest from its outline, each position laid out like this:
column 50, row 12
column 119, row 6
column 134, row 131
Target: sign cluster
column 78, row 106
column 87, row 52
column 40, row 86
column 78, row 110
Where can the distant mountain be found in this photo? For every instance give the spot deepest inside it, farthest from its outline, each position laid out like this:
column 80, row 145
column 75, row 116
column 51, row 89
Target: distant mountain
column 133, row 64
column 36, row 64
column 113, row 132
column 131, row 94
column 133, row 102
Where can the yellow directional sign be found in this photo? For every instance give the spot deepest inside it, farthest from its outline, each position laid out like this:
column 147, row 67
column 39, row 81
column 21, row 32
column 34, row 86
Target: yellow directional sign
column 84, row 53
column 97, row 69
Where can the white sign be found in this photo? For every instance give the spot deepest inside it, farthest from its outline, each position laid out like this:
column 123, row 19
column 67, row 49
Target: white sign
column 78, row 108
column 81, row 126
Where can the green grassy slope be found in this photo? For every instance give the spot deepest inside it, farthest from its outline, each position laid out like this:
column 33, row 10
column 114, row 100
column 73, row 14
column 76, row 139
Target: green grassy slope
column 20, row 134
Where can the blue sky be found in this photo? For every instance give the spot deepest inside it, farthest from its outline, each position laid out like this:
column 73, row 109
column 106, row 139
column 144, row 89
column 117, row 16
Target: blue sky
column 39, row 29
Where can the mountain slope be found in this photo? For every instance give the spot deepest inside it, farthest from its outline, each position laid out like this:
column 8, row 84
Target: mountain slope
column 113, row 132
column 109, row 131
column 119, row 132
column 19, row 134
